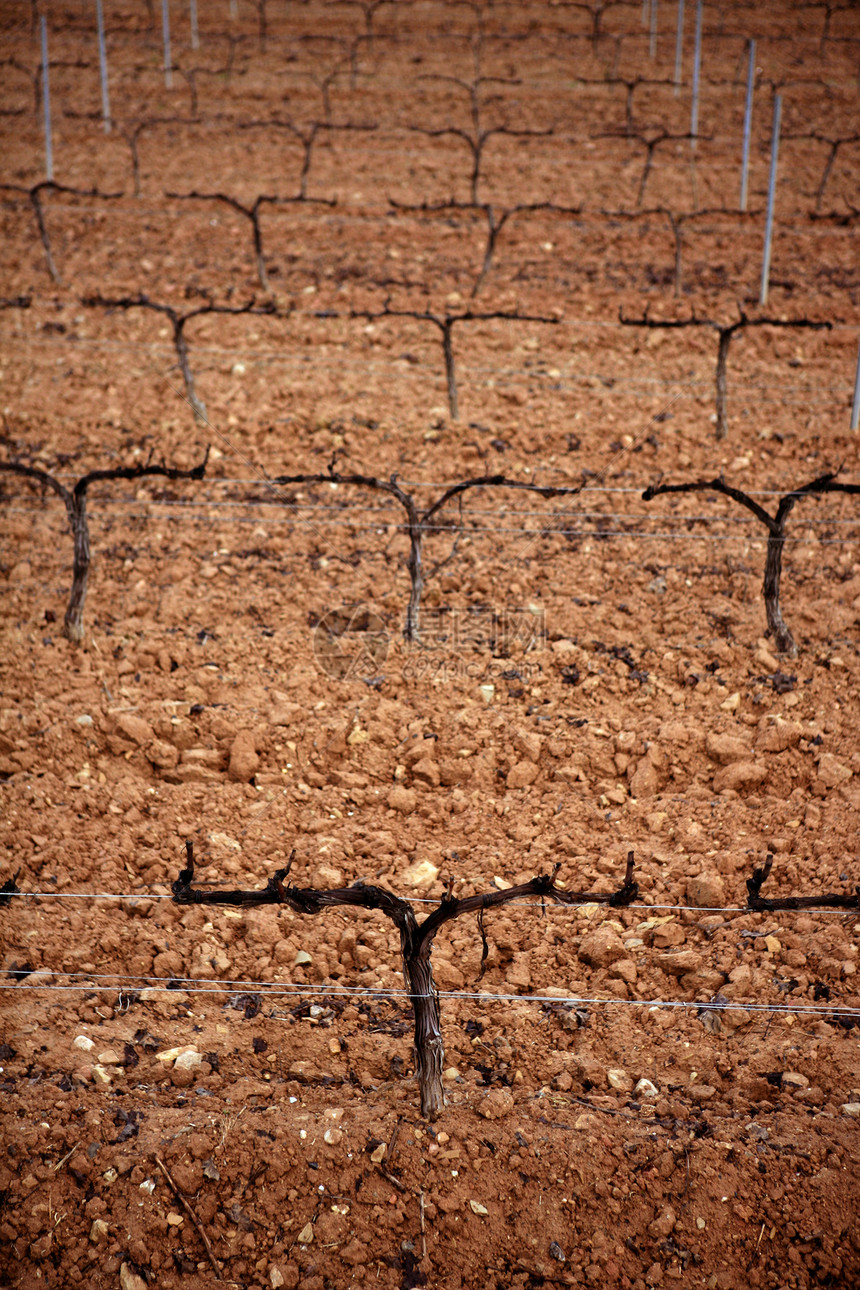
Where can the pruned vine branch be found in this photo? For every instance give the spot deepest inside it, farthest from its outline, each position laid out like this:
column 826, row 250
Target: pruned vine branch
column 831, row 900
column 775, row 525
column 725, row 331
column 418, row 519
column 75, row 502
column 416, row 938
column 445, row 323
column 178, row 323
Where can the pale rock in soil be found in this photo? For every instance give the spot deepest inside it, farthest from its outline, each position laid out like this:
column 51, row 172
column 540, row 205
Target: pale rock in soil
column 210, row 758
column 521, row 774
column 402, row 799
column 706, row 891
column 496, row 1104
column 98, row 1231
column 420, row 874
column 740, row 776
column 619, row 1079
column 188, row 1060
column 646, row 1089
column 726, row 749
column 793, row 1081
column 602, row 947
column 135, row 729
column 851, row 1108
column 276, row 1278
column 644, row 782
column 831, row 772
column 243, row 758
column 765, row 659
column 129, row 1280
column 85, row 1043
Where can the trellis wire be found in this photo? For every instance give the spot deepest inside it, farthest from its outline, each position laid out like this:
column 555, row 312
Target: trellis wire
column 547, row 530
column 288, row 989
column 202, row 511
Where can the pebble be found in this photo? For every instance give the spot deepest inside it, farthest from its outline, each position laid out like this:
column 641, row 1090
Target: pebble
column 680, row 963
column 776, row 735
column 601, row 947
column 98, row 1231
column 496, row 1104
column 831, row 772
column 243, row 758
column 135, row 729
column 725, row 748
column 420, row 874
column 84, row 1042
column 794, row 1081
column 355, row 1253
column 740, row 776
column 402, row 799
column 521, row 774
column 646, row 1089
column 851, row 1108
column 706, row 891
column 619, row 1079
column 477, row 1208
column 306, row 1235
column 129, row 1280
column 426, row 771
column 664, row 1224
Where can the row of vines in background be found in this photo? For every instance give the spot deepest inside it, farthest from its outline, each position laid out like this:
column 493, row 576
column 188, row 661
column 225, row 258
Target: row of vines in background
column 423, row 519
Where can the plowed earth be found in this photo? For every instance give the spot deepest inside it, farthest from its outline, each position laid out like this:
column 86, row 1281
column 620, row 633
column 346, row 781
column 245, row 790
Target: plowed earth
column 202, row 1094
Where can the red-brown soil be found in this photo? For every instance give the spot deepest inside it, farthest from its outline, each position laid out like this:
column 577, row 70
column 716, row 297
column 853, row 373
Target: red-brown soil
column 592, row 678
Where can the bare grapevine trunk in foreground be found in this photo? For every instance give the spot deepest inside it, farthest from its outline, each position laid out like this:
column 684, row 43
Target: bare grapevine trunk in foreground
column 416, row 939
